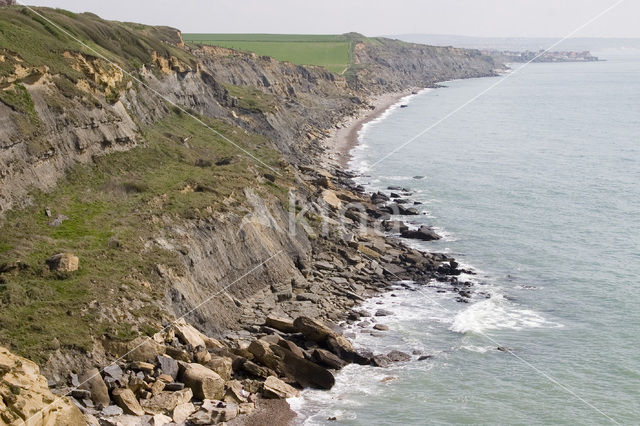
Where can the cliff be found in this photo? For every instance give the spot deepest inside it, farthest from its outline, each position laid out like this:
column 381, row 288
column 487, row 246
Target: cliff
column 169, row 175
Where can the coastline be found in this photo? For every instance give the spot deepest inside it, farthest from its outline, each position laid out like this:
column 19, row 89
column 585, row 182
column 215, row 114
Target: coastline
column 345, row 137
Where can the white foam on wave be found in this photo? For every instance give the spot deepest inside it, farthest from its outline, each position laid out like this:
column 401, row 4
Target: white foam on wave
column 497, row 313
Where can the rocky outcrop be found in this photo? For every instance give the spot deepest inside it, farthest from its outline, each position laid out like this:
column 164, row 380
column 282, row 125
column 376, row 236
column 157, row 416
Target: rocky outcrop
column 25, row 398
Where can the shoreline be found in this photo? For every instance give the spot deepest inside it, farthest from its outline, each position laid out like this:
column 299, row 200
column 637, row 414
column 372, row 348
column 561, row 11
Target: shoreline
column 345, row 138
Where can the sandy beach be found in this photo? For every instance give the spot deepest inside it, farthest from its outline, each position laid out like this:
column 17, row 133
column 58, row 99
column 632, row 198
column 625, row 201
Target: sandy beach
column 339, row 145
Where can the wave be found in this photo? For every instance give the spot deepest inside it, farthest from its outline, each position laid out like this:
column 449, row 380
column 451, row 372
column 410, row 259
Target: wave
column 497, row 313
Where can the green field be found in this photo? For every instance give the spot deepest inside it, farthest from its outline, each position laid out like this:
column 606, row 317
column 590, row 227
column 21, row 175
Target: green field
column 330, row 51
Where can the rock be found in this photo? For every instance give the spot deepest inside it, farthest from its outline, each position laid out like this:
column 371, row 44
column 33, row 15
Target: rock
column 114, row 371
column 178, row 354
column 398, row 356
column 424, row 357
column 58, row 220
column 140, row 349
column 342, row 347
column 202, row 356
column 157, row 387
column 423, row 233
column 308, row 296
column 112, row 410
column 295, row 349
column 24, row 394
column 275, row 388
column 303, row 371
column 235, row 392
column 92, row 381
column 188, row 334
column 63, row 262
column 168, row 366
column 174, row 386
column 324, row 357
column 396, row 226
column 383, row 313
column 246, row 408
column 262, row 352
column 381, row 327
column 165, row 402
column 221, row 365
column 142, row 366
column 281, row 324
column 324, row 266
column 313, row 329
column 159, row 420
column 380, row 361
column 205, row 383
column 182, row 412
column 126, row 400
column 256, row 370
column 330, row 197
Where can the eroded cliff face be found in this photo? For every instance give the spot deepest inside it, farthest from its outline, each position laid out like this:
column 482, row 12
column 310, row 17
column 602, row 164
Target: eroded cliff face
column 50, row 125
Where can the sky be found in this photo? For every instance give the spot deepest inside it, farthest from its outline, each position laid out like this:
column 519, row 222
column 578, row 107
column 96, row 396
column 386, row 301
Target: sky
column 484, row 18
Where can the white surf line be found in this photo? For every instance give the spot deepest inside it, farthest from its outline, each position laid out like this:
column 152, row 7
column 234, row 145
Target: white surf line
column 500, row 81
column 165, row 98
column 207, row 300
column 527, row 363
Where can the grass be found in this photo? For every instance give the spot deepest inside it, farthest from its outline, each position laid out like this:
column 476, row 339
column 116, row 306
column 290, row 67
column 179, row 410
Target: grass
column 251, row 98
column 113, row 207
column 330, row 51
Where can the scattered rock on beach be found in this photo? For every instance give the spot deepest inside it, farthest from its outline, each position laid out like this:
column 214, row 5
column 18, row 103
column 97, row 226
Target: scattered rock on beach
column 423, row 233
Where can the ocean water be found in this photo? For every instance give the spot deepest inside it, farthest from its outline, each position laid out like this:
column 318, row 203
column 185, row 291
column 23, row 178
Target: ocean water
column 536, row 186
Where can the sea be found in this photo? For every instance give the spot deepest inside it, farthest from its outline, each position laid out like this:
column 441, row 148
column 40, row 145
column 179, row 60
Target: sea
column 534, row 185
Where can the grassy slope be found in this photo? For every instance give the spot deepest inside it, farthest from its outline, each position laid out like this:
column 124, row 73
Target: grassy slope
column 330, row 51
column 111, row 206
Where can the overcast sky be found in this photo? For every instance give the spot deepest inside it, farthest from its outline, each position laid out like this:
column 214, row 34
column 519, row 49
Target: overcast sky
column 502, row 18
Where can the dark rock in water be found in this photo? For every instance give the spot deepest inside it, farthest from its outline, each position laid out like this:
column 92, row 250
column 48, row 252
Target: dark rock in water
column 424, row 233
column 394, row 195
column 417, row 203
column 381, row 327
column 380, row 361
column 394, row 226
column 398, row 209
column 394, row 188
column 398, row 356
column 418, row 177
column 424, row 357
column 326, row 358
column 503, row 349
column 378, row 198
column 304, row 372
column 383, row 313
column 404, row 106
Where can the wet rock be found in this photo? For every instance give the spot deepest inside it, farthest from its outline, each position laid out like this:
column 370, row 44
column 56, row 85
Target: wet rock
column 304, row 372
column 275, row 388
column 398, row 356
column 423, row 233
column 381, row 327
column 126, row 400
column 380, row 361
column 383, row 313
column 63, row 262
column 328, row 359
column 205, row 383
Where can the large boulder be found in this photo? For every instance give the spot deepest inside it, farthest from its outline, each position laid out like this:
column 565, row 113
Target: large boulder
column 25, row 398
column 221, row 365
column 326, row 358
column 63, row 262
column 204, row 382
column 281, row 324
column 166, row 402
column 127, row 401
column 304, row 372
column 91, row 380
column 313, row 329
column 277, row 389
column 142, row 348
column 188, row 334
